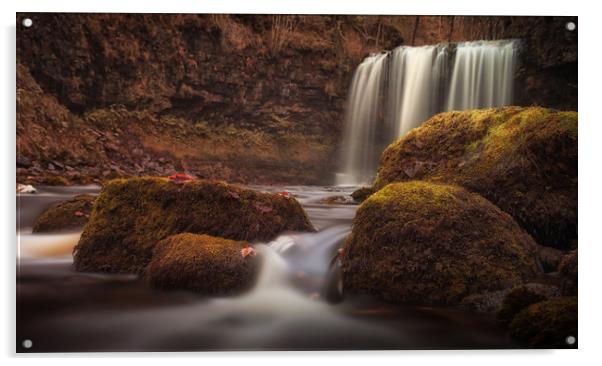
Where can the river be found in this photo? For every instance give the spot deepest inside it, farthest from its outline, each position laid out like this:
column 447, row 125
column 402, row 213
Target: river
column 61, row 310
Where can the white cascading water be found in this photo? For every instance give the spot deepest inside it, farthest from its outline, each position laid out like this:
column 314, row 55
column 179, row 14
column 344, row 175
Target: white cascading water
column 394, row 92
column 362, row 116
column 483, row 75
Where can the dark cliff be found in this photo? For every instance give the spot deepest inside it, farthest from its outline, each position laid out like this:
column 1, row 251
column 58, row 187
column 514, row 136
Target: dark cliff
column 248, row 98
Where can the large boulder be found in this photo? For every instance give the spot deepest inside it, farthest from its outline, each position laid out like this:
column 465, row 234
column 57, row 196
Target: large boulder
column 547, row 324
column 132, row 215
column 202, row 263
column 72, row 214
column 524, row 160
column 428, row 243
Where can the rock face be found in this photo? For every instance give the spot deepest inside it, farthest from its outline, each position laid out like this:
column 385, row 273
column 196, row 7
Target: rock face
column 201, row 263
column 524, row 160
column 547, row 324
column 427, row 243
column 132, row 215
column 69, row 215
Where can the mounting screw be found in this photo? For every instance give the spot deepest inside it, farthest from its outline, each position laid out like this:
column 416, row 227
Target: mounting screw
column 27, row 343
column 570, row 26
column 27, row 22
column 570, row 340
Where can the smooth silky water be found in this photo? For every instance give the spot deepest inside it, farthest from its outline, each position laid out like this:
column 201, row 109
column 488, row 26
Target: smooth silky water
column 63, row 310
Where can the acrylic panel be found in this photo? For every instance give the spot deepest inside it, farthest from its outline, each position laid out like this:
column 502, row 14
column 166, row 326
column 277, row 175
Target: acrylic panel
column 295, row 182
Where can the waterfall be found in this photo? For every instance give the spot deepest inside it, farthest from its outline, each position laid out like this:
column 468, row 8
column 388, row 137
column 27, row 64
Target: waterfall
column 396, row 91
column 362, row 118
column 483, row 75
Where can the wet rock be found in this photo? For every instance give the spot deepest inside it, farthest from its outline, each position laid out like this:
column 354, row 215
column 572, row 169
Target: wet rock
column 549, row 258
column 132, row 215
column 524, row 160
column 23, row 161
column 361, row 194
column 488, row 302
column 569, row 273
column 25, row 188
column 546, row 324
column 68, row 215
column 521, row 297
column 203, row 264
column 426, row 243
column 338, row 200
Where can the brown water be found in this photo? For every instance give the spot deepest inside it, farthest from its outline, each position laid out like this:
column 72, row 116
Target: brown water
column 61, row 310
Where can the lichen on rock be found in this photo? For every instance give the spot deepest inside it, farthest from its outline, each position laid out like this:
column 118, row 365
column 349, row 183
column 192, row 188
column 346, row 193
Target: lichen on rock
column 203, row 264
column 132, row 215
column 429, row 243
column 68, row 215
column 547, row 324
column 524, row 160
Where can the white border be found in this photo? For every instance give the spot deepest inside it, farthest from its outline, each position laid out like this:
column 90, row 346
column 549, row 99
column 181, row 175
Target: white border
column 589, row 171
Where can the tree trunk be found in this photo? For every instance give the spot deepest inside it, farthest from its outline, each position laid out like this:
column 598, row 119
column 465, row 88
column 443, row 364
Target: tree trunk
column 451, row 29
column 415, row 30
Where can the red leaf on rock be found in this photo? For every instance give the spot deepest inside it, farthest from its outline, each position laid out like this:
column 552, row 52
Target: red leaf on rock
column 247, row 252
column 284, row 193
column 79, row 214
column 180, row 177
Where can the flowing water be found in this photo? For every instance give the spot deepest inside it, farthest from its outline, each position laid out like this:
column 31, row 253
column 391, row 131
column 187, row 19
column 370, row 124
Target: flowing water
column 394, row 92
column 59, row 309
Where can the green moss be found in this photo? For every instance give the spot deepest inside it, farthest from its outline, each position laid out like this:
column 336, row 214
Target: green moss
column 201, row 263
column 569, row 273
column 428, row 243
column 546, row 324
column 524, row 160
column 69, row 215
column 132, row 215
column 521, row 297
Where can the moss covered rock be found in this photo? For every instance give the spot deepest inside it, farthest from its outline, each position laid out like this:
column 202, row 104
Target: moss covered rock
column 132, row 215
column 522, row 296
column 68, row 215
column 201, row 263
column 546, row 324
column 569, row 274
column 428, row 243
column 524, row 160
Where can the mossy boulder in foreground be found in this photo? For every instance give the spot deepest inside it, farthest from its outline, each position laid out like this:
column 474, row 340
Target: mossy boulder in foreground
column 201, row 263
column 68, row 215
column 547, row 324
column 132, row 215
column 427, row 243
column 524, row 160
